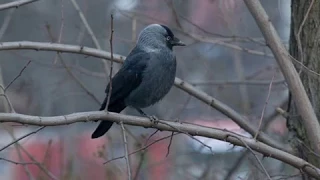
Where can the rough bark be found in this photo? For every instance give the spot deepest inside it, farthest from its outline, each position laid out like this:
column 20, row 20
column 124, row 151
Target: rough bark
column 305, row 47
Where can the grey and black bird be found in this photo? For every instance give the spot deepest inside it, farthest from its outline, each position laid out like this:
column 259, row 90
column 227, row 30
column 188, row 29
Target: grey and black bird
column 146, row 76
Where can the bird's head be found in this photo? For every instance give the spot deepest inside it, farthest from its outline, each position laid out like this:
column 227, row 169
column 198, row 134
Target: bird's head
column 156, row 35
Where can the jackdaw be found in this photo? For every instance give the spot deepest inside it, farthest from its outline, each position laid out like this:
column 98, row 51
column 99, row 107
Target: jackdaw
column 146, row 76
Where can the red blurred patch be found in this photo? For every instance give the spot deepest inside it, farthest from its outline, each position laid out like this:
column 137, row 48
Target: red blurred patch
column 54, row 157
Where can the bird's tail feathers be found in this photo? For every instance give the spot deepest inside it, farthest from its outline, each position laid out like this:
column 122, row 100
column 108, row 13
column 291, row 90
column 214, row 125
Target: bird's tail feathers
column 103, row 127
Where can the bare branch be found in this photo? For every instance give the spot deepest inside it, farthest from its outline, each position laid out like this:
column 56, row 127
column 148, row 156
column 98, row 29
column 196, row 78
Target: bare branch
column 16, row 4
column 193, row 130
column 169, row 145
column 38, row 46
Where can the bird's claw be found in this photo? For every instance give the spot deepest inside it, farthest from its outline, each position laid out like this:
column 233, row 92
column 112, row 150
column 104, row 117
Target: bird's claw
column 154, row 119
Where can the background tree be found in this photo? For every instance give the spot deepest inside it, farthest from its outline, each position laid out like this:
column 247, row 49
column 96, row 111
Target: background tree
column 304, row 47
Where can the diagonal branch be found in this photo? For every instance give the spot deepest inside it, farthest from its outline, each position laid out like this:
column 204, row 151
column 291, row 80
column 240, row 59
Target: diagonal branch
column 16, row 4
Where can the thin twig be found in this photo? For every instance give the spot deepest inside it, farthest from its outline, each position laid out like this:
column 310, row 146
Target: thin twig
column 169, row 145
column 15, row 162
column 258, row 160
column 3, row 90
column 151, row 135
column 22, row 137
column 304, row 68
column 264, row 108
column 111, row 63
column 126, row 151
column 20, row 73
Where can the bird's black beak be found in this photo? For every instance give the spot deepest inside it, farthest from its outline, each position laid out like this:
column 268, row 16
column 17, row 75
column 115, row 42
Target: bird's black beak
column 177, row 42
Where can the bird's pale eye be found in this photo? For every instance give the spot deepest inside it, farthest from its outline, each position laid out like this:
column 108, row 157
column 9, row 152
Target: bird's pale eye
column 168, row 38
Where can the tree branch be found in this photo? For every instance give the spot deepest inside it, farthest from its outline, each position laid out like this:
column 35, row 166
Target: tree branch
column 16, row 4
column 191, row 129
column 40, row 46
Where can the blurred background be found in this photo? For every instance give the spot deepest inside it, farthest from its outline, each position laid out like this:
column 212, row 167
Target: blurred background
column 226, row 57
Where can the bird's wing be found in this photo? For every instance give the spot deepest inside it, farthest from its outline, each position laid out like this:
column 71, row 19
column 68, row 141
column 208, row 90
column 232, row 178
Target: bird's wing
column 128, row 77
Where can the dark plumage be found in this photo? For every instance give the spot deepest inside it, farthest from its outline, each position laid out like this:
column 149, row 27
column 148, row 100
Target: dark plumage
column 146, row 76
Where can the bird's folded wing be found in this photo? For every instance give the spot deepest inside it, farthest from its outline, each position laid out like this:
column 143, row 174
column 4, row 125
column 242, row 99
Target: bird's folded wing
column 129, row 76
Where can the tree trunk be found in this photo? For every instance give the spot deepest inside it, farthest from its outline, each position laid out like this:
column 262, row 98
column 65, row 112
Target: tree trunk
column 304, row 47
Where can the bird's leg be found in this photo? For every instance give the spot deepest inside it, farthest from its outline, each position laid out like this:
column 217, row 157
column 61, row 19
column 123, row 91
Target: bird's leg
column 153, row 119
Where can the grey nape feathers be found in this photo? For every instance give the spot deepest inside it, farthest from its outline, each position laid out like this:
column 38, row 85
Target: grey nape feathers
column 146, row 76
